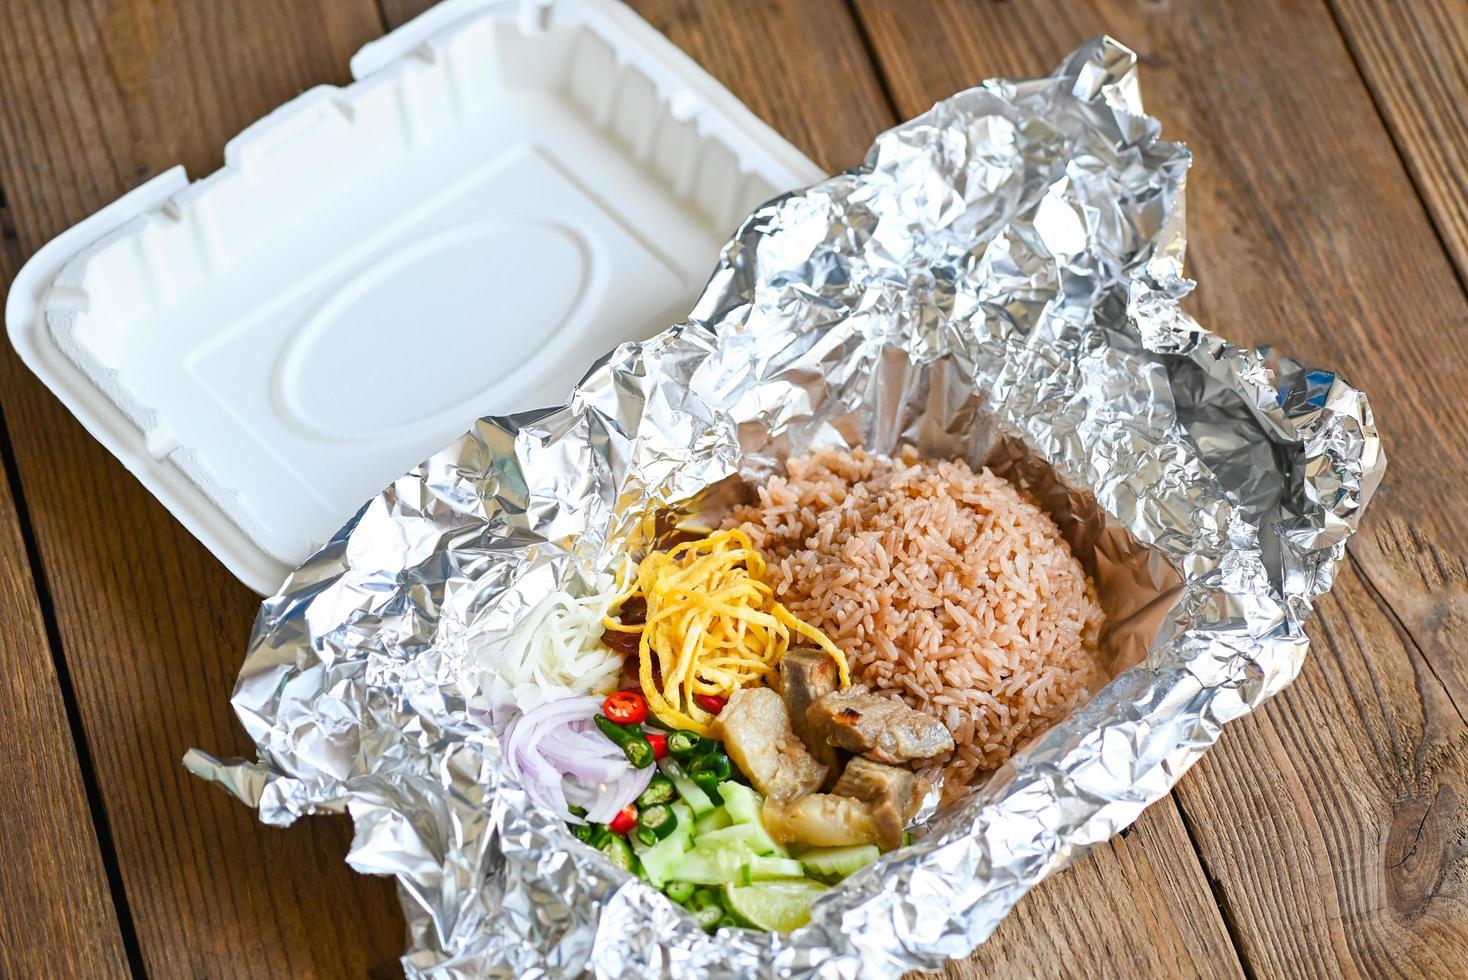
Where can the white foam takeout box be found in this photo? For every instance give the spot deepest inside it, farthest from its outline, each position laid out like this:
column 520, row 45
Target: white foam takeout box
column 505, row 192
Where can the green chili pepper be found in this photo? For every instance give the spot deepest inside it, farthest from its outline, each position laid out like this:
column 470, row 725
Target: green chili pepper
column 704, row 898
column 619, row 853
column 577, row 811
column 592, row 834
column 708, row 771
column 659, row 818
column 680, row 891
column 708, row 918
column 685, row 745
column 645, row 836
column 631, row 740
column 715, row 764
column 660, row 790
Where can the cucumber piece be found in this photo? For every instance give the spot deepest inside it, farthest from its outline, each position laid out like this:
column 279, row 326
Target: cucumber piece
column 749, row 836
column 698, row 867
column 742, row 802
column 838, row 862
column 659, row 860
column 761, row 868
column 716, row 819
column 695, row 797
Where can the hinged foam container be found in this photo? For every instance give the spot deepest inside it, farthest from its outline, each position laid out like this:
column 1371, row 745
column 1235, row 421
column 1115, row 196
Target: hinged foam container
column 506, row 192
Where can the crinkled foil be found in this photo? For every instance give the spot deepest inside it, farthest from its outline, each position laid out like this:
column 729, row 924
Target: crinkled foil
column 999, row 280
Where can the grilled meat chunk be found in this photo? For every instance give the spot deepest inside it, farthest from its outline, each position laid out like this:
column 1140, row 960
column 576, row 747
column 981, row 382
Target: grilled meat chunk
column 880, row 728
column 805, row 676
column 890, row 792
column 821, row 820
column 756, row 731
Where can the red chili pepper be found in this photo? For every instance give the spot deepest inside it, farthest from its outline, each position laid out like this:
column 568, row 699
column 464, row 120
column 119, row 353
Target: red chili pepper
column 711, row 703
column 625, row 820
column 659, row 743
column 625, row 708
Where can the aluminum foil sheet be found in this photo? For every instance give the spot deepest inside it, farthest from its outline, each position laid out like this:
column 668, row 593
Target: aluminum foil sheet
column 998, row 280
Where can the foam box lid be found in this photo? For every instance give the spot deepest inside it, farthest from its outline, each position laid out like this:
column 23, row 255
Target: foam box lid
column 507, row 191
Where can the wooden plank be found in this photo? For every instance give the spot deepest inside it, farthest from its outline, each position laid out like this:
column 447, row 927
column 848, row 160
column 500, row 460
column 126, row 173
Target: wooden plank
column 1306, row 232
column 99, row 97
column 1336, row 818
column 1138, row 906
column 57, row 917
column 1414, row 56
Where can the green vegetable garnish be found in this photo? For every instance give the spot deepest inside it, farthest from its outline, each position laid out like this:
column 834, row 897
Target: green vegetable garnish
column 630, row 739
column 660, row 790
column 658, row 819
column 685, row 745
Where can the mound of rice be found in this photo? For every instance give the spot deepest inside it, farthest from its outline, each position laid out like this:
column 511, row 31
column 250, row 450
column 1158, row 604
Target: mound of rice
column 942, row 585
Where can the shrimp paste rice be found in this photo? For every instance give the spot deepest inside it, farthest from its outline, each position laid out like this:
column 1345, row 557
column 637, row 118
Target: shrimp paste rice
column 947, row 587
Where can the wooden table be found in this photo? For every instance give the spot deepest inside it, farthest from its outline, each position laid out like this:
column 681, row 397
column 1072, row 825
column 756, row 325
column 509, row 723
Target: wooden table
column 1326, row 835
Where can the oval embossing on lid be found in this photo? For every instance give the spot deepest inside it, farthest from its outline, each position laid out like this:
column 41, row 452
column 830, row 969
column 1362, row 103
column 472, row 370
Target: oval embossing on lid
column 423, row 335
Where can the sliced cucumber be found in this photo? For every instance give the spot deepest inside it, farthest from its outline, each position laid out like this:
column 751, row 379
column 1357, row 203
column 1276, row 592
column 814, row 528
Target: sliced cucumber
column 698, row 867
column 761, row 868
column 659, row 860
column 716, row 819
column 742, row 803
column 838, row 862
column 695, row 797
column 750, row 836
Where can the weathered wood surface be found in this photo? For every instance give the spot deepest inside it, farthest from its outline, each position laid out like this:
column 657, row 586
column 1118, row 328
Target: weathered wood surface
column 1414, row 57
column 1324, row 836
column 56, row 911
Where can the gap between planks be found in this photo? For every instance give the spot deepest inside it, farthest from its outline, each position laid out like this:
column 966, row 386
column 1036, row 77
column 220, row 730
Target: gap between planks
column 1426, row 160
column 10, row 262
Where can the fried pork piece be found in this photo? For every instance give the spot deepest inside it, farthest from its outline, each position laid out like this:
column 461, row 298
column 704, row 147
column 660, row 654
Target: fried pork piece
column 805, row 676
column 891, row 793
column 756, row 732
column 882, row 729
column 822, row 820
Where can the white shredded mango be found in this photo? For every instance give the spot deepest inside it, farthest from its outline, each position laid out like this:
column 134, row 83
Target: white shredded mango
column 554, row 651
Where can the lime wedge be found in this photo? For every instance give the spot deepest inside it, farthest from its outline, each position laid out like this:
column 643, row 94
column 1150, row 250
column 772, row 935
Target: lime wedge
column 778, row 906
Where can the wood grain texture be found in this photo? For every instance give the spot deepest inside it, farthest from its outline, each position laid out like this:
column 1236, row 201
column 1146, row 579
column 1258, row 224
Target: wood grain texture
column 1414, row 56
column 1337, row 817
column 1136, row 907
column 97, row 98
column 57, row 917
column 1332, row 821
